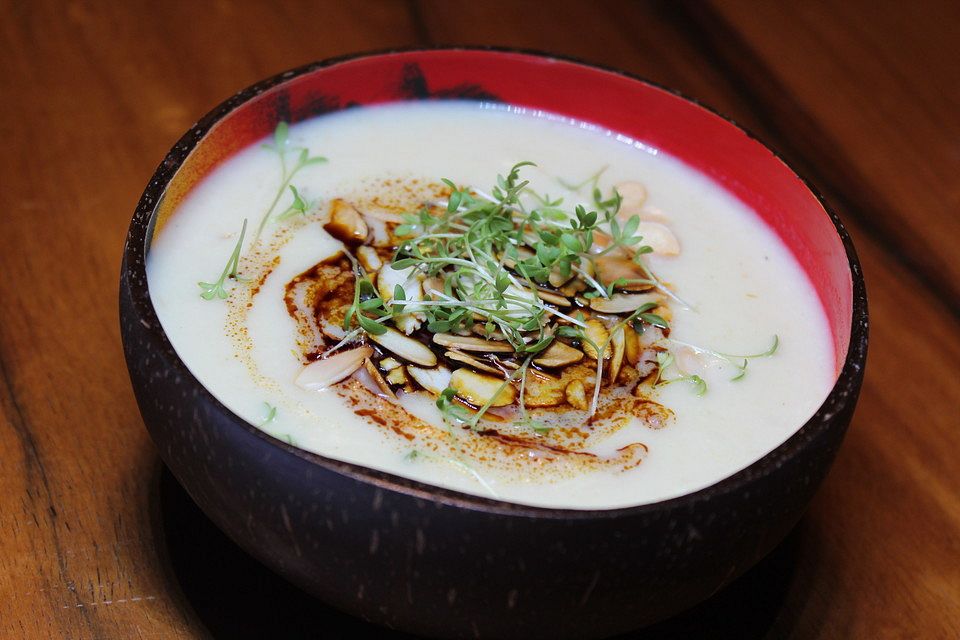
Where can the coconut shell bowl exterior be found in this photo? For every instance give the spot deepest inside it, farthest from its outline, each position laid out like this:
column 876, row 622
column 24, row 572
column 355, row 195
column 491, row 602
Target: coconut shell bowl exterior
column 440, row 563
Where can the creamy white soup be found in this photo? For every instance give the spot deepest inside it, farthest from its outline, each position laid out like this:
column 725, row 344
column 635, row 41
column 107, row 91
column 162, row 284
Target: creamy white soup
column 364, row 286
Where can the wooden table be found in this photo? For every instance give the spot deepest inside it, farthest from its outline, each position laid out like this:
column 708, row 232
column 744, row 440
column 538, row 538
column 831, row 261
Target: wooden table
column 96, row 541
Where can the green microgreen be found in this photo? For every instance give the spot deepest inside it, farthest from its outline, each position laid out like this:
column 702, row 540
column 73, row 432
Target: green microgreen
column 665, row 360
column 216, row 289
column 280, row 145
column 518, row 373
column 591, row 180
column 454, row 414
column 492, row 253
column 299, row 206
column 271, row 414
column 732, row 359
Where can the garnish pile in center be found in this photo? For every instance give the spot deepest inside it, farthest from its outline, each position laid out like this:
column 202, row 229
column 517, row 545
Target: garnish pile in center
column 503, row 305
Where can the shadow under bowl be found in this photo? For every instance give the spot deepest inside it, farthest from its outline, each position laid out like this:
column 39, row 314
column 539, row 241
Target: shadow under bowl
column 435, row 562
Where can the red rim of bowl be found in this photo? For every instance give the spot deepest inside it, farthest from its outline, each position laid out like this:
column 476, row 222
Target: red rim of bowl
column 850, row 366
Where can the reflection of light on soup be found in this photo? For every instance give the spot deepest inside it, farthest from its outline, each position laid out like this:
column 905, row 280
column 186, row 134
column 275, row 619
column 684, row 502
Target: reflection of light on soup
column 644, row 444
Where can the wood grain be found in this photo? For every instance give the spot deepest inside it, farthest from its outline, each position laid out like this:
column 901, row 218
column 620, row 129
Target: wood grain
column 864, row 98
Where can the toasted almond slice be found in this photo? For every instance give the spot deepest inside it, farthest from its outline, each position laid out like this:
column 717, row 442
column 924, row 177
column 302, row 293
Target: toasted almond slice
column 611, row 268
column 369, row 259
column 378, row 378
column 469, row 343
column 618, row 342
column 558, row 354
column 409, row 280
column 480, row 330
column 573, row 287
column 631, row 345
column 479, row 389
column 383, row 214
column 553, row 298
column 389, row 364
column 476, row 363
column 598, row 333
column 434, row 379
column 346, row 223
column 576, row 395
column 557, row 280
column 332, row 331
column 659, row 238
column 622, row 302
column 389, row 278
column 632, row 197
column 406, row 348
column 540, row 392
column 431, row 285
column 329, row 371
column 398, row 376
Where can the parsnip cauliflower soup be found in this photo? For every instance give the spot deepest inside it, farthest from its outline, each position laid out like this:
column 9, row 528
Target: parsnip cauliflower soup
column 502, row 302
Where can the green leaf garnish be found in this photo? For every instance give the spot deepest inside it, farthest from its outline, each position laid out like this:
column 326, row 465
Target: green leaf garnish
column 211, row 290
column 281, row 147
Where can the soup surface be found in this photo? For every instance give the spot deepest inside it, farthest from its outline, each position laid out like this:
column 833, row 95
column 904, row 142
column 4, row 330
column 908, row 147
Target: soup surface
column 731, row 357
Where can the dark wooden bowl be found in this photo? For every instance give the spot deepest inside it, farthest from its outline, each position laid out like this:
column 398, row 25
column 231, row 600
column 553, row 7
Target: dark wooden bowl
column 441, row 563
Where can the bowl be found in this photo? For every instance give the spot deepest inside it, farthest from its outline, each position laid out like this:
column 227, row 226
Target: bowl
column 441, row 563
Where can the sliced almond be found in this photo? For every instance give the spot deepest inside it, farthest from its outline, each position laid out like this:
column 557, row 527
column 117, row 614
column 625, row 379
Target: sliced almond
column 633, row 195
column 382, row 214
column 553, row 298
column 432, row 286
column 406, row 348
column 631, row 345
column 329, row 371
column 556, row 279
column 623, row 302
column 598, row 334
column 369, row 259
column 618, row 342
column 469, row 343
column 558, row 354
column 332, row 331
column 389, row 278
column 659, row 238
column 434, row 380
column 542, row 375
column 573, row 287
column 389, row 364
column 346, row 223
column 479, row 389
column 612, row 268
column 480, row 330
column 409, row 280
column 476, row 363
column 378, row 378
column 540, row 392
column 398, row 376
column 576, row 395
